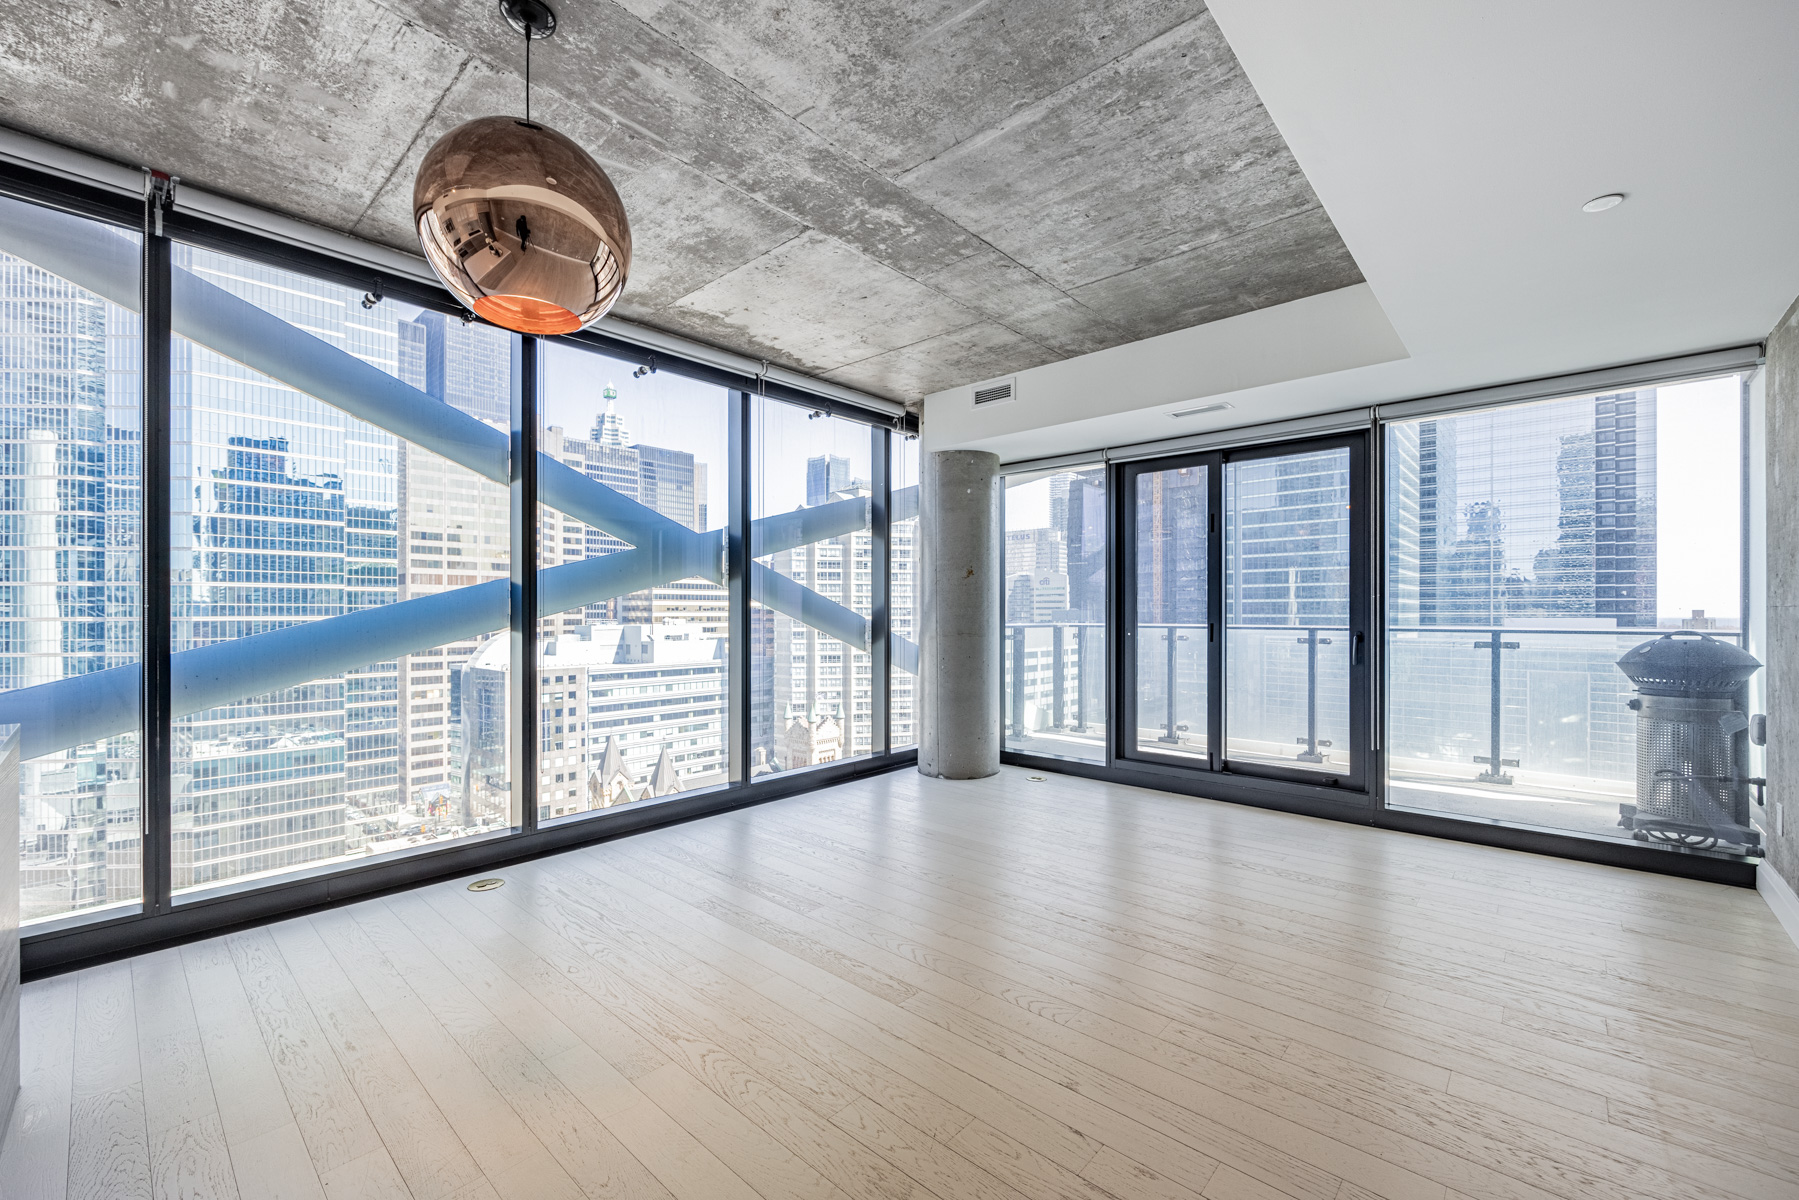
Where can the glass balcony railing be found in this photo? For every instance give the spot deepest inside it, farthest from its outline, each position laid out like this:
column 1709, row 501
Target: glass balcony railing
column 1525, row 726
column 1056, row 689
column 1518, row 725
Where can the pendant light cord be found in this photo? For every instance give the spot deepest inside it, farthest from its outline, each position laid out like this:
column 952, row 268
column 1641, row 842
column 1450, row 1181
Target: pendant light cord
column 528, row 40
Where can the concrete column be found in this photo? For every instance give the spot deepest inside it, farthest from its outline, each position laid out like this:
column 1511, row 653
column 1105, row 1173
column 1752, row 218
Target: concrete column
column 1782, row 614
column 961, row 553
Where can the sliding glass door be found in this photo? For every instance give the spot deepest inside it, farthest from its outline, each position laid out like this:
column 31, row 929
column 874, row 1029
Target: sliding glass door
column 1245, row 605
column 1173, row 638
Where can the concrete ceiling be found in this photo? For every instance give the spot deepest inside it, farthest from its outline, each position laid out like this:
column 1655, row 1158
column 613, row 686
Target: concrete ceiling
column 1454, row 145
column 900, row 198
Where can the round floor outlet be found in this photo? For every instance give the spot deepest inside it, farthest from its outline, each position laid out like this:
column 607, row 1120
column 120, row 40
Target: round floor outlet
column 486, row 885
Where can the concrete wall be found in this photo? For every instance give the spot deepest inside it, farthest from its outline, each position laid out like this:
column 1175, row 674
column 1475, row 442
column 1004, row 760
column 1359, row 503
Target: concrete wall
column 1783, row 597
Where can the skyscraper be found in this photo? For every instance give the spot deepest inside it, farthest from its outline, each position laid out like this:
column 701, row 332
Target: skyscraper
column 1540, row 511
column 286, row 511
column 70, row 464
column 825, row 474
column 457, row 532
column 1172, row 531
column 812, row 677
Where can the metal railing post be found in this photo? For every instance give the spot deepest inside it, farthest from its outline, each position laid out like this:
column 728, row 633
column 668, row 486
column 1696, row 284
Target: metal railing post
column 1168, row 731
column 1496, row 765
column 1057, row 675
column 1080, row 679
column 1311, row 641
column 1017, row 635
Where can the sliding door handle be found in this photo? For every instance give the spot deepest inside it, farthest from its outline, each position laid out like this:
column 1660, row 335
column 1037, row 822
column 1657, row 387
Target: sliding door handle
column 1355, row 650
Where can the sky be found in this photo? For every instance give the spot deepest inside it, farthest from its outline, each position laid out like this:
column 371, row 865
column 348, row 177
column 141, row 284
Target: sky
column 675, row 412
column 1699, row 511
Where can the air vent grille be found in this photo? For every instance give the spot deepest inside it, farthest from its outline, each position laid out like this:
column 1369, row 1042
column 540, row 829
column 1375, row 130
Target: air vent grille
column 997, row 392
column 1204, row 408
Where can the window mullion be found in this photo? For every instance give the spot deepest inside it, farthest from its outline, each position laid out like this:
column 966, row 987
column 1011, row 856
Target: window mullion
column 880, row 580
column 526, row 401
column 156, row 768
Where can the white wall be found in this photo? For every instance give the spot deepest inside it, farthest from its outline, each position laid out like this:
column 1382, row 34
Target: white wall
column 1124, row 394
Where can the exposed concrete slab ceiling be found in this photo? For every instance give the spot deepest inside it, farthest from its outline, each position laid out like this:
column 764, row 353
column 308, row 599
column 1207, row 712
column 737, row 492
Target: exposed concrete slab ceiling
column 900, row 198
column 1455, row 145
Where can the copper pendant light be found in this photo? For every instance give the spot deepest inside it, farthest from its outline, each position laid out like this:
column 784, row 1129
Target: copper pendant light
column 517, row 220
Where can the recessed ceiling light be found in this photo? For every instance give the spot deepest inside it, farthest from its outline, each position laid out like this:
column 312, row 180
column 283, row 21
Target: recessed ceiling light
column 1601, row 203
column 1204, row 408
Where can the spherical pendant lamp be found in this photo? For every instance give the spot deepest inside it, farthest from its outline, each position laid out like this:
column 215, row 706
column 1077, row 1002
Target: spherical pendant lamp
column 517, row 220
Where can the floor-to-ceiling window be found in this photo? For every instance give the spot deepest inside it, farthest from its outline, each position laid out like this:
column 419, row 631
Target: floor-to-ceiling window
column 70, row 580
column 811, row 587
column 306, row 527
column 633, row 645
column 1055, row 614
column 334, row 474
column 1532, row 550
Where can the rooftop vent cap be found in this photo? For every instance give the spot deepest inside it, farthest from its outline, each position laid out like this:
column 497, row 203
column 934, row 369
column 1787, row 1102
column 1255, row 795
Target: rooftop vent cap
column 998, row 391
column 1694, row 665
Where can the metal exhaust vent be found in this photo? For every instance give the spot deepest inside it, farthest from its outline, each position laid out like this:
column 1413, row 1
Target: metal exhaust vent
column 999, row 391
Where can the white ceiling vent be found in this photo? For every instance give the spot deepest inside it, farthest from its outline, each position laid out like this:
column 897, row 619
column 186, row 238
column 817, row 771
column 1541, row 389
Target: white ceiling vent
column 998, row 391
column 1204, row 408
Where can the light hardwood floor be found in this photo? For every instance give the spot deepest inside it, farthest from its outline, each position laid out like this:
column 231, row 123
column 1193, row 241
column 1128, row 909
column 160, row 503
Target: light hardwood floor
column 913, row 988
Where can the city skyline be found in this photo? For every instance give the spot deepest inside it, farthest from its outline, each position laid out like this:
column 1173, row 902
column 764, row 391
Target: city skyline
column 288, row 511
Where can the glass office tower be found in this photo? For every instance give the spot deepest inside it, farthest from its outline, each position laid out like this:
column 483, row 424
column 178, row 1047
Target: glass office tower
column 71, row 470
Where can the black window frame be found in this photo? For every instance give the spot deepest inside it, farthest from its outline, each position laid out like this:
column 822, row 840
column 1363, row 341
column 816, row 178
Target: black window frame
column 1352, row 787
column 1360, row 799
column 86, row 937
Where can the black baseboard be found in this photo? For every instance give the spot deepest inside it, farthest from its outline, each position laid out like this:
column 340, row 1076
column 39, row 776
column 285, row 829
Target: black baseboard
column 1330, row 804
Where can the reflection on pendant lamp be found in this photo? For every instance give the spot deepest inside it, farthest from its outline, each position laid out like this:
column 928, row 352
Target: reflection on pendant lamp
column 517, row 220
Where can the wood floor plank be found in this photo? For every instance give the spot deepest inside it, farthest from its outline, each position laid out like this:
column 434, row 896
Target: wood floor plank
column 191, row 1161
column 34, row 1154
column 245, row 1087
column 930, row 1073
column 712, row 1045
column 1024, row 923
column 371, row 1177
column 335, row 1126
column 276, row 1166
column 109, row 1147
column 430, row 1159
column 763, row 1162
column 177, row 1087
column 1218, row 1139
column 914, row 989
column 578, row 1141
column 495, row 1135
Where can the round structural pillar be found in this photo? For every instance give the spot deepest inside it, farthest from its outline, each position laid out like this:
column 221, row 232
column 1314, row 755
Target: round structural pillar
column 961, row 556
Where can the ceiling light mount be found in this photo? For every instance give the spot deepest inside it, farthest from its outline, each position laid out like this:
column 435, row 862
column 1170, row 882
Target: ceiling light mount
column 1599, row 204
column 529, row 18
